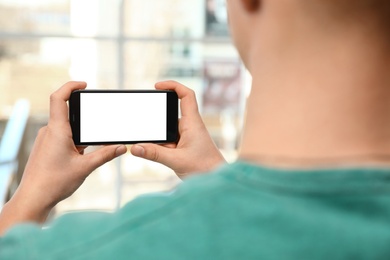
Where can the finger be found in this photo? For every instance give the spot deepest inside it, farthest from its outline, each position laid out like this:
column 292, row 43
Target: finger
column 58, row 106
column 153, row 152
column 105, row 154
column 188, row 104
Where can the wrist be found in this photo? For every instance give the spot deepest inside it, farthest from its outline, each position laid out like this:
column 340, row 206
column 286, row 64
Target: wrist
column 27, row 208
column 15, row 212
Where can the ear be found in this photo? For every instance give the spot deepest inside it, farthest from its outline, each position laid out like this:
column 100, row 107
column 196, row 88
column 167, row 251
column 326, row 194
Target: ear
column 251, row 5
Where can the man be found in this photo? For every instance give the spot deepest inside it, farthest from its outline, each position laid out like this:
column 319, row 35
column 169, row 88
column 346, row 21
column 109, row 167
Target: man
column 312, row 181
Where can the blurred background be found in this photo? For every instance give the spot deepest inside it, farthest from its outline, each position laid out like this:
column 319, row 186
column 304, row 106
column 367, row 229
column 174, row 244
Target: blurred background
column 117, row 44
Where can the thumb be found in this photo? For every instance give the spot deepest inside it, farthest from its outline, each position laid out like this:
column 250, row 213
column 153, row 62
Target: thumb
column 103, row 155
column 152, row 152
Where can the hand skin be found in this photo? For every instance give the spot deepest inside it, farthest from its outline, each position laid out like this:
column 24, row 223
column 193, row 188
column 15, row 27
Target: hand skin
column 195, row 151
column 56, row 167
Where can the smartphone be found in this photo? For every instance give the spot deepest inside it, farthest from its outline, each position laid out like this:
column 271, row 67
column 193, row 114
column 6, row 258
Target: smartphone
column 99, row 117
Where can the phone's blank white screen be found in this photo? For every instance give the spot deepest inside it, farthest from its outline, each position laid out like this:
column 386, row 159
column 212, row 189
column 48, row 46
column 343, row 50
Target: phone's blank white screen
column 113, row 117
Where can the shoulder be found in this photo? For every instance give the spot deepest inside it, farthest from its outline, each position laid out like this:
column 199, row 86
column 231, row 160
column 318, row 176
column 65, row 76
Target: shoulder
column 191, row 211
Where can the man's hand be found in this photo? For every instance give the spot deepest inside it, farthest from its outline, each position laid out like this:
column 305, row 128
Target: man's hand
column 56, row 167
column 195, row 151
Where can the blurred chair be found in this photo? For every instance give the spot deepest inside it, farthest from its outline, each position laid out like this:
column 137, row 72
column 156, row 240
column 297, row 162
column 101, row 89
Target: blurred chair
column 10, row 145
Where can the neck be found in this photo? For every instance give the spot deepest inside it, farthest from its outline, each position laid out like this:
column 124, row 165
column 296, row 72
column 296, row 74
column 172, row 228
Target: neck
column 319, row 98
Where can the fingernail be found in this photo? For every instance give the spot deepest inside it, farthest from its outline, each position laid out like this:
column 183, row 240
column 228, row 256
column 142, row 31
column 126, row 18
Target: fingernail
column 120, row 150
column 138, row 150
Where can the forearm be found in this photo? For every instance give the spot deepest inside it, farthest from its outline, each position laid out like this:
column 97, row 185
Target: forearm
column 19, row 210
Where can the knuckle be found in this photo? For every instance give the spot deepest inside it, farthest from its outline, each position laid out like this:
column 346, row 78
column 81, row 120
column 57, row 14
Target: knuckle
column 53, row 97
column 191, row 93
column 98, row 160
column 42, row 130
column 108, row 155
column 173, row 82
column 154, row 156
column 170, row 81
column 104, row 157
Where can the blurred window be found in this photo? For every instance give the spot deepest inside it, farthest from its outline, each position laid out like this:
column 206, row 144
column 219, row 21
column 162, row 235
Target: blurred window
column 123, row 44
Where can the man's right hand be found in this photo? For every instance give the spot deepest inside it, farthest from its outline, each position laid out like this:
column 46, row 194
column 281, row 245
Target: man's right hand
column 195, row 151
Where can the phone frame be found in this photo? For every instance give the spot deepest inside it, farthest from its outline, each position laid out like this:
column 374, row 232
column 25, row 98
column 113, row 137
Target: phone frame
column 172, row 116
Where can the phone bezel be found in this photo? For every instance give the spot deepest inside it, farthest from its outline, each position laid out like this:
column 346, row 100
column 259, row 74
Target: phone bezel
column 172, row 116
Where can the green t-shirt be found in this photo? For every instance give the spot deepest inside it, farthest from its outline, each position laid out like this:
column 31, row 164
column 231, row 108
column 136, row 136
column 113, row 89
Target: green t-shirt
column 240, row 211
